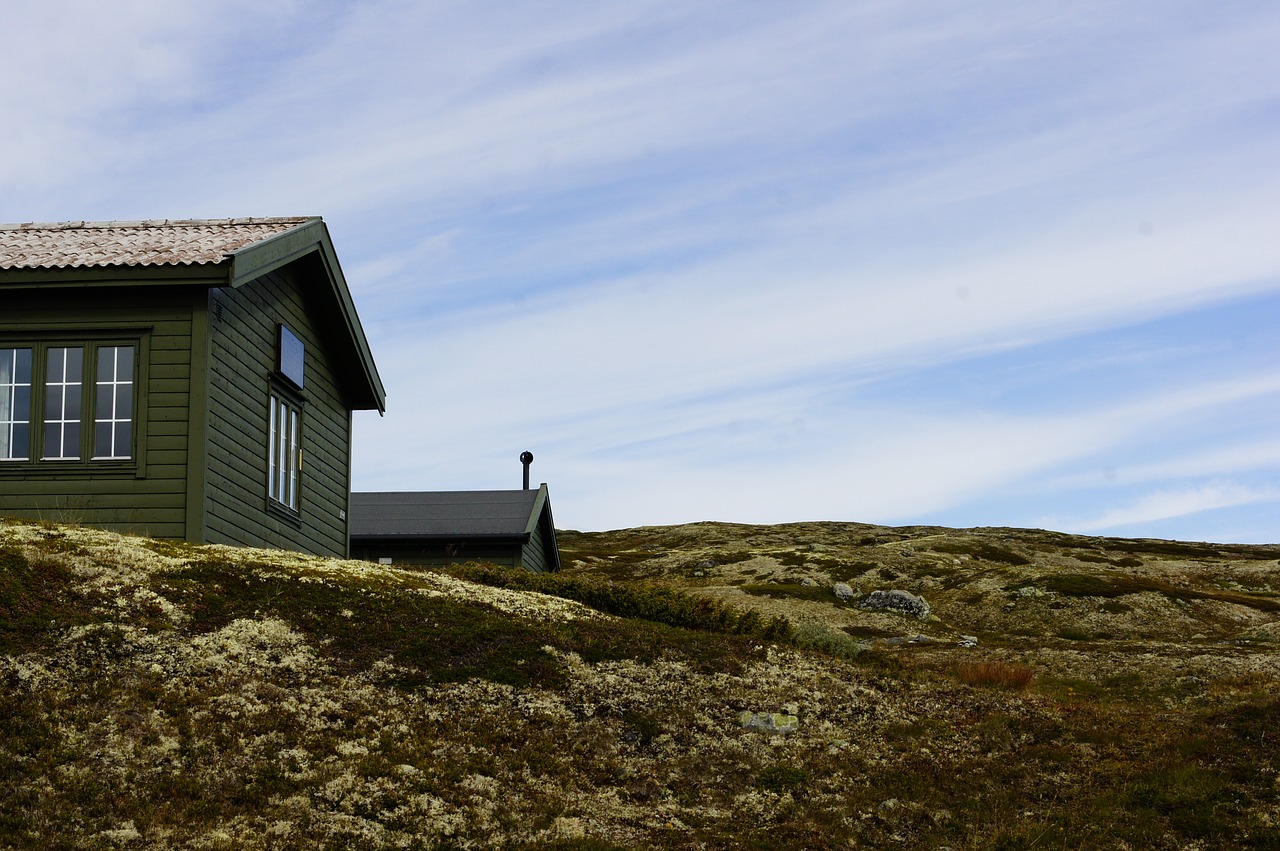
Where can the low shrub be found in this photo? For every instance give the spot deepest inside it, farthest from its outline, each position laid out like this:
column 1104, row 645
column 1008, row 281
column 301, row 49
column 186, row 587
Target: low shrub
column 995, row 675
column 632, row 600
column 813, row 635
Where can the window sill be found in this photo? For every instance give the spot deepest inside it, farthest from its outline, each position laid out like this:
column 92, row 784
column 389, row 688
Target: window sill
column 69, row 469
column 288, row 515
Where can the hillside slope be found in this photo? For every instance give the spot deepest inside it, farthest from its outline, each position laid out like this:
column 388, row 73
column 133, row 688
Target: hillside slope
column 158, row 695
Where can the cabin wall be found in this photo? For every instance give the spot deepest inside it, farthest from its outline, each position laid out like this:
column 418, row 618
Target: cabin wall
column 146, row 494
column 243, row 360
column 439, row 554
column 534, row 553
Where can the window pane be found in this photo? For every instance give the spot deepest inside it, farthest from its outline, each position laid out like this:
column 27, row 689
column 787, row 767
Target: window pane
column 21, row 409
column 20, row 442
column 275, row 458
column 292, row 355
column 75, row 365
column 101, row 440
column 124, row 362
column 106, row 364
column 22, row 368
column 292, row 461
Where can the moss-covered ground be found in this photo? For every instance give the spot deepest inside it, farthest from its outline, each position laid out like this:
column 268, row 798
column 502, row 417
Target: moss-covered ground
column 1120, row 694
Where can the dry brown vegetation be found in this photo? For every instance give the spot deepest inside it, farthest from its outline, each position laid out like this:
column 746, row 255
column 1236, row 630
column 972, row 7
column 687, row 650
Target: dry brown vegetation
column 1066, row 693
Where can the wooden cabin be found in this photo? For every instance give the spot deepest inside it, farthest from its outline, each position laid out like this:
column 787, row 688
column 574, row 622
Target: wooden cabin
column 183, row 379
column 512, row 528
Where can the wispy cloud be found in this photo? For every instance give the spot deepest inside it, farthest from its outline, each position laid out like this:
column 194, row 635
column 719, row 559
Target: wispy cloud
column 1165, row 504
column 723, row 259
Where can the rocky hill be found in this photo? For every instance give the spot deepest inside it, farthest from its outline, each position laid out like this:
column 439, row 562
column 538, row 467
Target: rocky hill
column 704, row 686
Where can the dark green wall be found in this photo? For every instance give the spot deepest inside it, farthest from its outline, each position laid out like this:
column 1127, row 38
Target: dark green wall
column 437, row 554
column 201, row 468
column 242, row 356
column 149, row 494
column 531, row 555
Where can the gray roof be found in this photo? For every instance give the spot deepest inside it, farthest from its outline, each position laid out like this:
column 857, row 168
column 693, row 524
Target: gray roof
column 443, row 514
column 63, row 245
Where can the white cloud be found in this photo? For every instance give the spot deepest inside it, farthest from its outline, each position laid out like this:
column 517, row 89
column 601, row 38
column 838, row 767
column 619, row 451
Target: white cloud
column 1165, row 504
column 669, row 246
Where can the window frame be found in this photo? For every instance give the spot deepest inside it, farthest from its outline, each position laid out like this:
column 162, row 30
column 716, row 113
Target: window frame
column 281, row 395
column 91, row 342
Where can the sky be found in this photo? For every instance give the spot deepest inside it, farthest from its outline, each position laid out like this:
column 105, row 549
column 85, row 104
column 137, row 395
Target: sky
column 977, row 263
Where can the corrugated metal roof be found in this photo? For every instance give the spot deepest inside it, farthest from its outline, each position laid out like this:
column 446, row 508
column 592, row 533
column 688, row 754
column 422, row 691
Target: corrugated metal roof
column 441, row 514
column 147, row 243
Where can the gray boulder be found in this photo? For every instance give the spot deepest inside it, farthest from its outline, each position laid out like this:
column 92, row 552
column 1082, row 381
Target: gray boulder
column 769, row 722
column 896, row 601
column 843, row 591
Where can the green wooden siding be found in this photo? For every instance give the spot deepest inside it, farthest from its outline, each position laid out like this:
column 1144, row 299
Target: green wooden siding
column 147, row 494
column 533, row 555
column 242, row 359
column 438, row 554
column 530, row 555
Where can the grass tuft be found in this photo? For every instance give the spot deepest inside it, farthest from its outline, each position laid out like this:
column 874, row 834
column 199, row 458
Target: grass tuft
column 1001, row 675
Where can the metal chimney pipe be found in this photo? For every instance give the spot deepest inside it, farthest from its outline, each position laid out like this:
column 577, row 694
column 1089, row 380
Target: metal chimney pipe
column 526, row 458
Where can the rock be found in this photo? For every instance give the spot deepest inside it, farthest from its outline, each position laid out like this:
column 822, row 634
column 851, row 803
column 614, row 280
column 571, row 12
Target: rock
column 843, row 591
column 769, row 722
column 707, row 563
column 967, row 641
column 807, row 582
column 896, row 601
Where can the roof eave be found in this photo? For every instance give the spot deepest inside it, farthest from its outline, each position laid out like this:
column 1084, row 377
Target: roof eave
column 312, row 236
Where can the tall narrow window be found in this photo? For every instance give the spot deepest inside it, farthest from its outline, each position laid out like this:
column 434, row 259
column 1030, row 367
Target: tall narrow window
column 15, row 404
column 285, row 452
column 113, row 403
column 63, row 393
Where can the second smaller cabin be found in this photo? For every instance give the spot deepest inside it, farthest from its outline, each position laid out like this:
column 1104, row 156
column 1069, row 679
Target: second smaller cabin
column 512, row 528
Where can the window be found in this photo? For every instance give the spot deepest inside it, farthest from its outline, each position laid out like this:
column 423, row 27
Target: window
column 113, row 403
column 15, row 404
column 286, row 451
column 63, row 401
column 50, row 412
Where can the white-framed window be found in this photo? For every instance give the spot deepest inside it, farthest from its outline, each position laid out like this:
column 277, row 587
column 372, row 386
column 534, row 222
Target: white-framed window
column 285, row 468
column 63, row 402
column 15, row 404
column 113, row 403
column 52, row 411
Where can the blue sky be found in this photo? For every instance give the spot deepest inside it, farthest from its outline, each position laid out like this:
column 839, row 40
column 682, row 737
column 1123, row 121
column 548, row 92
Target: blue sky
column 957, row 263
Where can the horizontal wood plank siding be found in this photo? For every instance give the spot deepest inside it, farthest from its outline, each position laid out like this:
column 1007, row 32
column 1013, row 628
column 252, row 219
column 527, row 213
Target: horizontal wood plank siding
column 242, row 355
column 532, row 554
column 149, row 498
column 436, row 555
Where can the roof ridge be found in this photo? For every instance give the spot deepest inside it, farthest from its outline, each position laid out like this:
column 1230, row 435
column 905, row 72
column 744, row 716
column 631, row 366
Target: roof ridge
column 157, row 223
